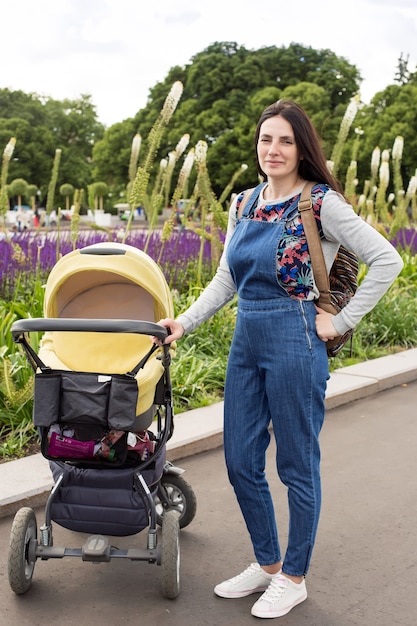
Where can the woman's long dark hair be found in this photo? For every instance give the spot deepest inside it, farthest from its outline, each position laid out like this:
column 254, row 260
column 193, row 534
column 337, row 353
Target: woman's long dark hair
column 313, row 166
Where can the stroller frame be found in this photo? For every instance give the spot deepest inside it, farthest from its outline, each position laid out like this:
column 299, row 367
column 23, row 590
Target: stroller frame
column 169, row 502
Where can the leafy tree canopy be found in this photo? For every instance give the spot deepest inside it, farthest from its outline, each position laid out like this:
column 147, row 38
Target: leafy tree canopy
column 391, row 113
column 41, row 125
column 226, row 87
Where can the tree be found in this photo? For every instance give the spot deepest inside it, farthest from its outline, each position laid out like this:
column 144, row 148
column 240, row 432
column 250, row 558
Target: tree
column 402, row 75
column 18, row 187
column 67, row 190
column 34, row 150
column 41, row 126
column 76, row 126
column 98, row 191
column 111, row 156
column 391, row 113
column 32, row 191
column 226, row 87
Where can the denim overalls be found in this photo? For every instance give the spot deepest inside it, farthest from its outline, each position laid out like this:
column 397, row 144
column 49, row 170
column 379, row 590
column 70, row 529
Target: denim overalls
column 277, row 371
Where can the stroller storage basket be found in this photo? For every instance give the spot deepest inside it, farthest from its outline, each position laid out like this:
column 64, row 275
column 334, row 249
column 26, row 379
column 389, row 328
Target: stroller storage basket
column 80, row 413
column 65, row 397
column 73, row 408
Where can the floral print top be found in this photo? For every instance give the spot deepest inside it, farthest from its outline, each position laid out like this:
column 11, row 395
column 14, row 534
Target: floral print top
column 293, row 259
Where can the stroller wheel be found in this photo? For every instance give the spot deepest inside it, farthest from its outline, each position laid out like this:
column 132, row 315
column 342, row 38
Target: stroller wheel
column 21, row 559
column 170, row 555
column 174, row 493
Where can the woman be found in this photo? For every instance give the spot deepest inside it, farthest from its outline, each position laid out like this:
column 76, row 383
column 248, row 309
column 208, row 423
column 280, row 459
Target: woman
column 278, row 365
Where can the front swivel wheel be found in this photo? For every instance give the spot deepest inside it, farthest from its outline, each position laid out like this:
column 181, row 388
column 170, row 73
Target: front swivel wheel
column 21, row 561
column 170, row 555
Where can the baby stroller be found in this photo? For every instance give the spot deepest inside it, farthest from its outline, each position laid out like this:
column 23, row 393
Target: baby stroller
column 103, row 409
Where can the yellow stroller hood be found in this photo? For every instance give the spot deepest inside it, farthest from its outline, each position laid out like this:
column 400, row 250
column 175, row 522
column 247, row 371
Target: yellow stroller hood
column 106, row 281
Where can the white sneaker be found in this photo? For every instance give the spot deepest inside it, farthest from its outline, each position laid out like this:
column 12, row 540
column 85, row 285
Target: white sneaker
column 254, row 579
column 281, row 596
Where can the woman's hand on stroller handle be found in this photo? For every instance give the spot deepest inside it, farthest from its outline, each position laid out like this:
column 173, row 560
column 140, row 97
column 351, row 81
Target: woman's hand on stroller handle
column 174, row 328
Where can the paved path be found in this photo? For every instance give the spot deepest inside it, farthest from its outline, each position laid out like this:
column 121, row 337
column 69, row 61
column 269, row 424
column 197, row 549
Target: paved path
column 28, row 481
column 364, row 569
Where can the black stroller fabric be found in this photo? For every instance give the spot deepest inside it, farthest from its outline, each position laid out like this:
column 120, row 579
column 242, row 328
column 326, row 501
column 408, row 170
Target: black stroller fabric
column 103, row 501
column 91, row 404
column 65, row 397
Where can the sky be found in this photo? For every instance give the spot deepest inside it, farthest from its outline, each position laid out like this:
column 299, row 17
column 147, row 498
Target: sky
column 117, row 50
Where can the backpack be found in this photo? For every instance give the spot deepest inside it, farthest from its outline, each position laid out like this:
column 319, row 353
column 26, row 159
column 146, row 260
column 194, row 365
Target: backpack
column 336, row 288
column 343, row 281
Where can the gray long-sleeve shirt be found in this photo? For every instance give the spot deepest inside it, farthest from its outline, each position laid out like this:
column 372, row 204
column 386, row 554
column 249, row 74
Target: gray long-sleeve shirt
column 341, row 226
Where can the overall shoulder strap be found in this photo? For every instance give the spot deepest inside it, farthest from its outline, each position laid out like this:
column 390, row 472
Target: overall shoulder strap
column 249, row 198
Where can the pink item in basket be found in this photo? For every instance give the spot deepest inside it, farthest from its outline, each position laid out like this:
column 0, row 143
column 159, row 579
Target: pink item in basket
column 65, row 447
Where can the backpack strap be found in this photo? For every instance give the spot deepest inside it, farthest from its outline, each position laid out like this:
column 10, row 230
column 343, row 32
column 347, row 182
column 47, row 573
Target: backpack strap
column 321, row 277
column 250, row 196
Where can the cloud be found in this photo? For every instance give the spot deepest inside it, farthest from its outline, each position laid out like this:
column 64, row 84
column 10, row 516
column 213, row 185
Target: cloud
column 116, row 50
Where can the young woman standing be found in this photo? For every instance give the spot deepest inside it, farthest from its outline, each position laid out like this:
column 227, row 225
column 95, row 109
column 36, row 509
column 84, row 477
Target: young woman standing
column 278, row 367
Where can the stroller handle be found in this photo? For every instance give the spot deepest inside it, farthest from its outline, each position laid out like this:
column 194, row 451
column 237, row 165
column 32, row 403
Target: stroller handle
column 42, row 324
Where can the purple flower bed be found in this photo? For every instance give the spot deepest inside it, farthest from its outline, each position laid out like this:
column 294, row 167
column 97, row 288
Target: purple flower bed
column 29, row 253
column 406, row 238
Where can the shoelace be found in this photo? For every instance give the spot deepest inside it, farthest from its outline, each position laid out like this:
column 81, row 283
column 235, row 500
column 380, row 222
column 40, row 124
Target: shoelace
column 252, row 569
column 277, row 587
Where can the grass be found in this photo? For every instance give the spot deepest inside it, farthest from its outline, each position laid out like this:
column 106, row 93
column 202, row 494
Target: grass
column 187, row 258
column 199, row 367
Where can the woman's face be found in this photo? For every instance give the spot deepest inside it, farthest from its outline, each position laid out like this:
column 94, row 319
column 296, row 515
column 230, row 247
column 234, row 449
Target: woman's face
column 277, row 151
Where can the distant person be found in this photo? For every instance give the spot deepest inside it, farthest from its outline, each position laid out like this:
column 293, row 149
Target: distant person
column 20, row 219
column 53, row 218
column 278, row 366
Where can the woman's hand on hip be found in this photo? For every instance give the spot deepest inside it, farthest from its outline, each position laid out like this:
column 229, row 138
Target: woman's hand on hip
column 324, row 325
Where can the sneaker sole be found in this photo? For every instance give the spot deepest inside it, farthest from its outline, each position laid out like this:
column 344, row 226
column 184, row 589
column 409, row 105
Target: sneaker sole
column 281, row 613
column 238, row 594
